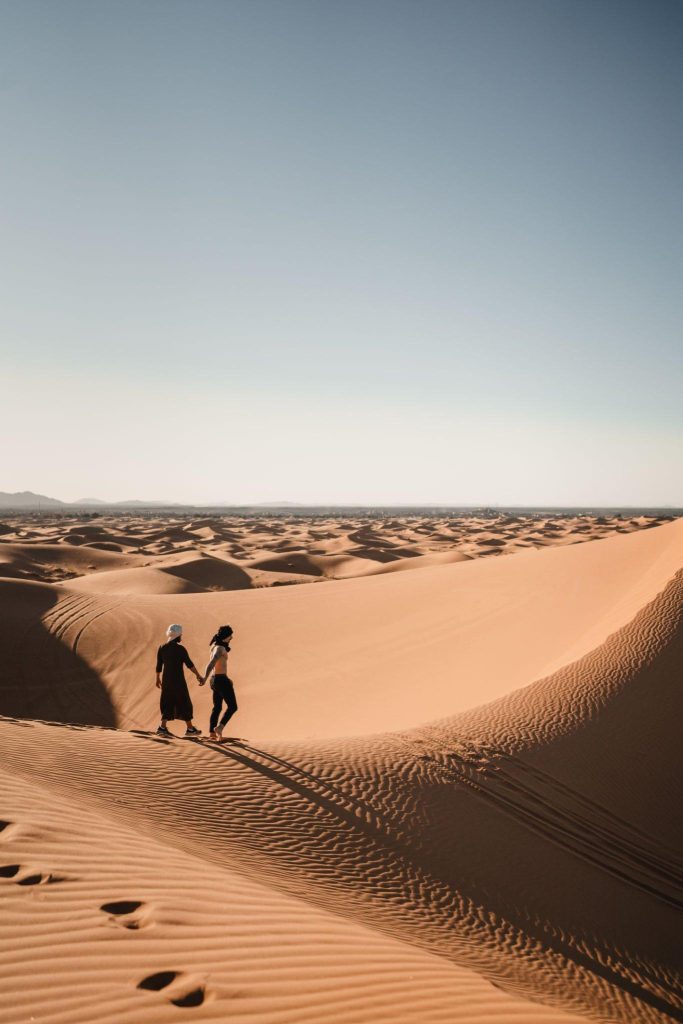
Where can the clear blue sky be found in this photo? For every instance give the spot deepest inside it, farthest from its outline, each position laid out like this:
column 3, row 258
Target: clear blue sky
column 343, row 251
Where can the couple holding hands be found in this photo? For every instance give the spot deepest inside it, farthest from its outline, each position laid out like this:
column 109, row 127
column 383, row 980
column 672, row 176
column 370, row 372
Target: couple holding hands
column 170, row 679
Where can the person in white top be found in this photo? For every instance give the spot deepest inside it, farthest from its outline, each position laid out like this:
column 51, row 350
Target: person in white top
column 223, row 691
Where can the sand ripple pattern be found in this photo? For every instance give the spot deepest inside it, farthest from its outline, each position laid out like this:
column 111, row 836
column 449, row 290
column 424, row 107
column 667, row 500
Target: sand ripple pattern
column 534, row 840
column 156, row 934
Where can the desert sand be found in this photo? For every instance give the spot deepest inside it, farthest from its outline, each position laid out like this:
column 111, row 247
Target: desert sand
column 453, row 793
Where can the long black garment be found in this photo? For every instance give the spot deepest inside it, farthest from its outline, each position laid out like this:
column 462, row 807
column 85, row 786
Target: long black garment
column 175, row 698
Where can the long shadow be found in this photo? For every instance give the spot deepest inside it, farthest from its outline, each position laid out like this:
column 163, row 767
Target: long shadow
column 42, row 678
column 363, row 818
column 354, row 812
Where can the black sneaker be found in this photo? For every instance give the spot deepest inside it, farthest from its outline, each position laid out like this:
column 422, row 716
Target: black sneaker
column 193, row 731
column 163, row 731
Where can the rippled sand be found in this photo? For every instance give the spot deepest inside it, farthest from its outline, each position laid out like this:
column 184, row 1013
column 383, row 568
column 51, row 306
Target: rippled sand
column 458, row 798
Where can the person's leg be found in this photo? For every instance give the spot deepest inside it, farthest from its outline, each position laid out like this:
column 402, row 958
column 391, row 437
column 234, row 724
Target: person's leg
column 230, row 707
column 215, row 711
column 166, row 713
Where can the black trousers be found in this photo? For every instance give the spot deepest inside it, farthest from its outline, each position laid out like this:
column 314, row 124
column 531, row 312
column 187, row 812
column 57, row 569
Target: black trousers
column 222, row 692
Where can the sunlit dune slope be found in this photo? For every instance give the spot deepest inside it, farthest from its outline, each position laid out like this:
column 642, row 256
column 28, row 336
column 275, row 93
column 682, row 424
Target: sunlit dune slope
column 147, row 580
column 521, row 839
column 103, row 921
column 344, row 657
column 50, row 562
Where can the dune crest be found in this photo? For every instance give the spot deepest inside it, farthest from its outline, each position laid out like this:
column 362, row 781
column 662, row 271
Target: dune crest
column 304, row 655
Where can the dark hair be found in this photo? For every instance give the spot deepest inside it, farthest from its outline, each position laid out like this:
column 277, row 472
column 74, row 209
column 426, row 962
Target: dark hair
column 224, row 633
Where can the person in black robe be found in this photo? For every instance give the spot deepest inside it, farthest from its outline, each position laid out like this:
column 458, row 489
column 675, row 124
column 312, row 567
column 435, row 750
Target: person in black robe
column 175, row 698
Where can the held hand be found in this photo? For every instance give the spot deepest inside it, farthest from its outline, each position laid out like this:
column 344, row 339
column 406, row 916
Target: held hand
column 158, row 684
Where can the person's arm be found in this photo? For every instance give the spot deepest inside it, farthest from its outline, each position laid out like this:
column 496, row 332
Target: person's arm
column 210, row 667
column 189, row 663
column 159, row 666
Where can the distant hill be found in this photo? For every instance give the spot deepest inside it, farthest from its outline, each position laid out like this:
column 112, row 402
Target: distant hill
column 27, row 499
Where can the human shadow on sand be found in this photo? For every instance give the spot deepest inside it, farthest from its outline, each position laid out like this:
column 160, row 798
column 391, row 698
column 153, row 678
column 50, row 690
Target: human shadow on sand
column 378, row 829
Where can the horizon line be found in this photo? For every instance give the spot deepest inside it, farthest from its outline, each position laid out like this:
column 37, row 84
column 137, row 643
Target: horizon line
column 45, row 504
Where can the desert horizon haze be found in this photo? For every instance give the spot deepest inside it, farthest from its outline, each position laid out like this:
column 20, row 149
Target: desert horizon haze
column 256, row 448
column 18, row 501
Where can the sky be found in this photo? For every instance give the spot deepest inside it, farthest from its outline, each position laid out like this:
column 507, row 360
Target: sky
column 341, row 252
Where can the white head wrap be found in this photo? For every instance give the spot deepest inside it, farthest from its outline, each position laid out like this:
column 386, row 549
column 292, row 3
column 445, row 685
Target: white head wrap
column 174, row 630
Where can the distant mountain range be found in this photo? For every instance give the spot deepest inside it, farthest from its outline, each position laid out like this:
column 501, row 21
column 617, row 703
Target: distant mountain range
column 23, row 500
column 29, row 500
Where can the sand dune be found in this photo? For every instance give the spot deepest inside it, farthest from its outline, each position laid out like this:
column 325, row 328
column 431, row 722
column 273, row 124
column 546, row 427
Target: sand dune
column 272, row 550
column 468, row 767
column 56, row 562
column 305, row 656
column 156, row 933
column 145, row 580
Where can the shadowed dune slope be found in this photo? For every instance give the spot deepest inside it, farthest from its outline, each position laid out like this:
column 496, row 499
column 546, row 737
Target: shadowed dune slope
column 364, row 655
column 43, row 676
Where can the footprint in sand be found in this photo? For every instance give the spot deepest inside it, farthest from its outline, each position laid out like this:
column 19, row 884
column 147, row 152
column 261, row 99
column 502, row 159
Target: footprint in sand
column 12, row 870
column 124, row 913
column 155, row 982
column 37, row 879
column 193, row 996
